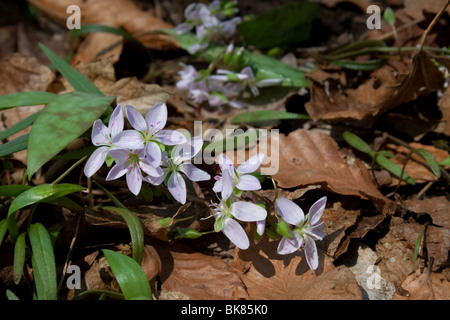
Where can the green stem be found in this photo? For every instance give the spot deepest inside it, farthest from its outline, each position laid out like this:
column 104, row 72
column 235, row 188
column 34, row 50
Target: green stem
column 69, row 170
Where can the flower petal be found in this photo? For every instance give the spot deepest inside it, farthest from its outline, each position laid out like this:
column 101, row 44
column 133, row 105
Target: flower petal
column 218, row 186
column 193, row 173
column 227, row 185
column 100, row 133
column 156, row 117
column 247, row 211
column 149, row 169
column 261, row 227
column 134, row 180
column 156, row 181
column 252, row 164
column 119, row 154
column 316, row 210
column 130, row 139
column 177, row 187
column 95, row 161
column 234, row 231
column 225, row 163
column 136, row 119
column 116, row 121
column 187, row 150
column 153, row 154
column 287, row 246
column 311, row 253
column 117, row 171
column 289, row 211
column 248, row 182
column 170, row 137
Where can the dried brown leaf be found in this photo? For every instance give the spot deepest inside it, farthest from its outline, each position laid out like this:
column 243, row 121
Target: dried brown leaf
column 437, row 207
column 115, row 13
column 268, row 275
column 418, row 287
column 199, row 276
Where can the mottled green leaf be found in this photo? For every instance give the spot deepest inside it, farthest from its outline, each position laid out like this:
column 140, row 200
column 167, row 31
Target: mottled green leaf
column 62, row 121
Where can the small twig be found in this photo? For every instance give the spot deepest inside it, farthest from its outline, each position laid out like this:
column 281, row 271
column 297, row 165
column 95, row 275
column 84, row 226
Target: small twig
column 401, row 28
column 431, row 25
column 424, row 189
column 69, row 254
column 430, row 265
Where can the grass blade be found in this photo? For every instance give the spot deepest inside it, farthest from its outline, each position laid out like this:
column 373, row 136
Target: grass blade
column 356, row 142
column 28, row 121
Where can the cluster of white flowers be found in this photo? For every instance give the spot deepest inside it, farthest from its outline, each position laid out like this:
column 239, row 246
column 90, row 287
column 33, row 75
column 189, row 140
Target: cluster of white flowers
column 210, row 22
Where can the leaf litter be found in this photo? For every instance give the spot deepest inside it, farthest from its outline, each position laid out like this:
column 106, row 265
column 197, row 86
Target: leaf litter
column 367, row 224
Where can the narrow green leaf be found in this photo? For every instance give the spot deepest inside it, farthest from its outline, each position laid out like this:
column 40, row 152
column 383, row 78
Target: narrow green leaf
column 3, row 229
column 445, row 162
column 356, row 142
column 43, row 262
column 418, row 242
column 367, row 65
column 88, row 28
column 431, row 160
column 28, row 121
column 19, row 257
column 392, row 168
column 136, row 231
column 13, row 146
column 266, row 115
column 130, row 276
column 62, row 121
column 75, row 78
column 231, row 143
column 11, row 295
column 25, row 99
column 284, row 26
column 43, row 192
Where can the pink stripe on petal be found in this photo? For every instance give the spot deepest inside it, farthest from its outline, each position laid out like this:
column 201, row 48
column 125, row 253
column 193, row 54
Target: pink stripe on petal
column 95, row 161
column 134, row 180
column 177, row 187
column 135, row 118
column 157, row 116
column 234, row 231
column 288, row 246
column 311, row 253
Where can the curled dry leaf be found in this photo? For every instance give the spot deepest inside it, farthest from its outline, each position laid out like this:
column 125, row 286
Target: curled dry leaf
column 115, row 13
column 416, row 8
column 384, row 90
column 313, row 158
column 437, row 207
column 424, row 286
column 267, row 275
